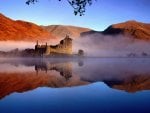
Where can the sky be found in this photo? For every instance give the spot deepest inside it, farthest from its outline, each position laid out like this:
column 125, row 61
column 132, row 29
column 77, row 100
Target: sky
column 98, row 16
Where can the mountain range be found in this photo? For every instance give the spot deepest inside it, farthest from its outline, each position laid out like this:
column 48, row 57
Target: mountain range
column 60, row 31
column 18, row 30
column 131, row 29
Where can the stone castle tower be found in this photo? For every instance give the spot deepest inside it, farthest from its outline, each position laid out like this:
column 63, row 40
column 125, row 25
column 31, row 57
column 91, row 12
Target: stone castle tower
column 64, row 47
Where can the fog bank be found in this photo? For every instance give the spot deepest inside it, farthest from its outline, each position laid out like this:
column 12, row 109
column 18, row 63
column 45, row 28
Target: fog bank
column 105, row 46
column 11, row 45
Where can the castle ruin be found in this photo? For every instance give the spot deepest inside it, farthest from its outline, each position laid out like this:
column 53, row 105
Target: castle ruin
column 63, row 48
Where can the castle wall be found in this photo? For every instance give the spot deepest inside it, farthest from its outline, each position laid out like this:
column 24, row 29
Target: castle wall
column 65, row 47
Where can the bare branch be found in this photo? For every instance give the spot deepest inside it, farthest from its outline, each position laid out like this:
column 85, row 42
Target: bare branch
column 79, row 6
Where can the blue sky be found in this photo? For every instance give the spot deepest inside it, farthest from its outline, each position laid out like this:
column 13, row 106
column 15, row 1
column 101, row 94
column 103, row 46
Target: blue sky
column 98, row 16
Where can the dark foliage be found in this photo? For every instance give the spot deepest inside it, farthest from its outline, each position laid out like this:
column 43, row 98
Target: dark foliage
column 79, row 6
column 81, row 52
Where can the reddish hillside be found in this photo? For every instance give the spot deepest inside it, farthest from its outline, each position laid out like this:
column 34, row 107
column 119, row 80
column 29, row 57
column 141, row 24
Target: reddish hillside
column 60, row 31
column 132, row 29
column 22, row 31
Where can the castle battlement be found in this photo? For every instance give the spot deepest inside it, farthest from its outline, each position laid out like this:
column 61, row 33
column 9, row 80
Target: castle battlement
column 64, row 47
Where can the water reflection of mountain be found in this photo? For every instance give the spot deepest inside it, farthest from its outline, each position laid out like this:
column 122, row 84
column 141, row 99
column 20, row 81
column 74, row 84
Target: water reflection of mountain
column 49, row 73
column 130, row 75
column 24, row 75
column 133, row 84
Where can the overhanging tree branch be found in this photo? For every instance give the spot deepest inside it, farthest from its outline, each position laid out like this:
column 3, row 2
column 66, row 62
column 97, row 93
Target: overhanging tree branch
column 79, row 6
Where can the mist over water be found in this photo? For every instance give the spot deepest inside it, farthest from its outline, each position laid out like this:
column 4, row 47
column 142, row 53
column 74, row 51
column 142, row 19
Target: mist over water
column 113, row 46
column 10, row 45
column 93, row 45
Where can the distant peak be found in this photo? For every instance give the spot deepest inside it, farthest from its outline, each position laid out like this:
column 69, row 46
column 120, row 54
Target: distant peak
column 132, row 21
column 128, row 24
column 1, row 15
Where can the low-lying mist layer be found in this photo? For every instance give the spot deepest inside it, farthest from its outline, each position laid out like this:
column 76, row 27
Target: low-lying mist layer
column 21, row 45
column 112, row 46
column 94, row 45
column 10, row 45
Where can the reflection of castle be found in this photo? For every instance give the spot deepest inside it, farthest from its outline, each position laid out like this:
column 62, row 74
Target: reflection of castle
column 64, row 68
column 64, row 47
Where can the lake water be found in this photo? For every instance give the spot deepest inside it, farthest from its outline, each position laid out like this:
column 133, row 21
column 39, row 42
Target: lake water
column 86, row 85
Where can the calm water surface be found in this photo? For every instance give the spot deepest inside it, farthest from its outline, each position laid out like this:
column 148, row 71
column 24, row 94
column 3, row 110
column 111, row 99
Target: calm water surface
column 100, row 85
